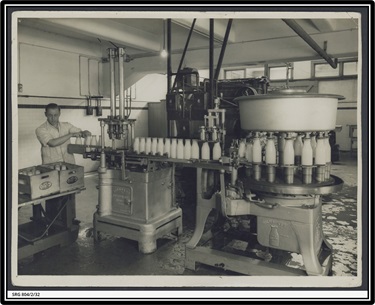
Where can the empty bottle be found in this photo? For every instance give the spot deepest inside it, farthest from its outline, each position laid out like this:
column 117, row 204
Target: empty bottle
column 195, row 150
column 187, row 149
column 154, row 146
column 136, row 145
column 242, row 149
column 93, row 143
column 174, row 148
column 78, row 141
column 202, row 133
column 216, row 151
column 249, row 151
column 148, row 146
column 281, row 146
column 167, row 147
column 205, row 151
column 142, row 145
column 160, row 149
column 87, row 143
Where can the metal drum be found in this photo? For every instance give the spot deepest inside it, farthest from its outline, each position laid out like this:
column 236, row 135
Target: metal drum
column 288, row 112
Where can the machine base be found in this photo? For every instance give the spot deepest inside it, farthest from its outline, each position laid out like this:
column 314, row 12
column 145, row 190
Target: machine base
column 245, row 261
column 145, row 233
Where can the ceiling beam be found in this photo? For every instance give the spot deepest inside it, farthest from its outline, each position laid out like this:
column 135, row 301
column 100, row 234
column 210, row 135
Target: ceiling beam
column 121, row 34
column 202, row 27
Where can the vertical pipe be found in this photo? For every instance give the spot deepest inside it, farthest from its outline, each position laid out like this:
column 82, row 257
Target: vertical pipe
column 184, row 52
column 169, row 55
column 112, row 79
column 223, row 47
column 211, row 60
column 121, row 80
column 102, row 154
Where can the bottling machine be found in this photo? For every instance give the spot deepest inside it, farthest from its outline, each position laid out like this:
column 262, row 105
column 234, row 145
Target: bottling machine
column 263, row 179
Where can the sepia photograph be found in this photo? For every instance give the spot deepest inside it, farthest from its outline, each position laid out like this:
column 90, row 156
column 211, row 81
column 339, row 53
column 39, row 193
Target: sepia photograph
column 176, row 152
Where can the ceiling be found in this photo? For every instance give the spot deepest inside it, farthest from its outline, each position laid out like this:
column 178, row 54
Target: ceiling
column 250, row 41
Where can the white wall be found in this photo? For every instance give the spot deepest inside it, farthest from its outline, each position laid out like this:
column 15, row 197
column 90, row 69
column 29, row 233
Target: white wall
column 346, row 115
column 57, row 67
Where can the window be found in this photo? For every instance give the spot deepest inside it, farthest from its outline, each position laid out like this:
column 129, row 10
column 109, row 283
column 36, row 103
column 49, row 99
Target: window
column 233, row 74
column 350, row 68
column 324, row 70
column 345, row 67
column 277, row 73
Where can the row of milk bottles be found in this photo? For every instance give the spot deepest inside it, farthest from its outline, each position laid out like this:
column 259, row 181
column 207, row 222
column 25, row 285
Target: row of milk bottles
column 90, row 142
column 176, row 148
column 293, row 150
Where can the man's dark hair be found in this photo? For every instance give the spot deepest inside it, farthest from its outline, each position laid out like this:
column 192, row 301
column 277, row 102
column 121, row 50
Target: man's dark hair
column 52, row 106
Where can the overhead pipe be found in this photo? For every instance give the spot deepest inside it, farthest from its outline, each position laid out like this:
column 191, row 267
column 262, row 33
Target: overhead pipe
column 121, row 54
column 112, row 79
column 184, row 52
column 306, row 37
column 169, row 55
column 223, row 47
column 211, row 63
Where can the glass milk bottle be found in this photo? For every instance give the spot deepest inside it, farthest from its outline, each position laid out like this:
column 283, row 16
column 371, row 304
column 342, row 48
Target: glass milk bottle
column 136, row 145
column 313, row 146
column 195, row 150
column 216, row 151
column 174, row 148
column 180, row 149
column 249, row 151
column 154, row 146
column 320, row 158
column 328, row 156
column 242, row 149
column 288, row 159
column 167, row 147
column 298, row 149
column 78, row 140
column 148, row 146
column 187, row 149
column 160, row 149
column 205, row 151
column 93, row 143
column 142, row 145
column 307, row 160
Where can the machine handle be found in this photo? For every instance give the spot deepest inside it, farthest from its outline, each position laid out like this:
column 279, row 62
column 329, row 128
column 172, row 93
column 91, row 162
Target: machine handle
column 263, row 204
column 43, row 177
column 72, row 172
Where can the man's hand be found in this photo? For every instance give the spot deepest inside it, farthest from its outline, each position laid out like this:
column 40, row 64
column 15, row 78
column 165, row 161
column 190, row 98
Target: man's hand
column 77, row 134
column 86, row 133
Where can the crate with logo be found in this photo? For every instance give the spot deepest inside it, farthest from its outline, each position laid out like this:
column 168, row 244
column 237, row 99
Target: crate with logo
column 71, row 176
column 38, row 181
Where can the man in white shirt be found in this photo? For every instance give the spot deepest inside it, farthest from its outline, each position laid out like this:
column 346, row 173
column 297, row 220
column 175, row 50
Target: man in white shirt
column 55, row 136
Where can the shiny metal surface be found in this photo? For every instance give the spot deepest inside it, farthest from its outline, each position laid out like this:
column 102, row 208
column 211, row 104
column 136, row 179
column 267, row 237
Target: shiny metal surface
column 288, row 112
column 334, row 184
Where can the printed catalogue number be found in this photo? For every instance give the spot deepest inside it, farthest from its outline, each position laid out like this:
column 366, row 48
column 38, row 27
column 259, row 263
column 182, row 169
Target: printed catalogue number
column 26, row 294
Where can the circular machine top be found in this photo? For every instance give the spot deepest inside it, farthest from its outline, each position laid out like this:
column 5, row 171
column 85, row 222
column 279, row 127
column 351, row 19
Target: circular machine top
column 292, row 111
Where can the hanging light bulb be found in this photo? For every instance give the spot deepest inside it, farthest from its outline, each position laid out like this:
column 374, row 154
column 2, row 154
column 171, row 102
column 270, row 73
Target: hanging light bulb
column 164, row 53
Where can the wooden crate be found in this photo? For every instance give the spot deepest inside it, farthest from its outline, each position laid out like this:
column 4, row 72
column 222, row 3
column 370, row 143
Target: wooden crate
column 70, row 178
column 38, row 181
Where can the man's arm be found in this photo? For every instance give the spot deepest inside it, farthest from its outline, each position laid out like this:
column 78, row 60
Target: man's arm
column 61, row 140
